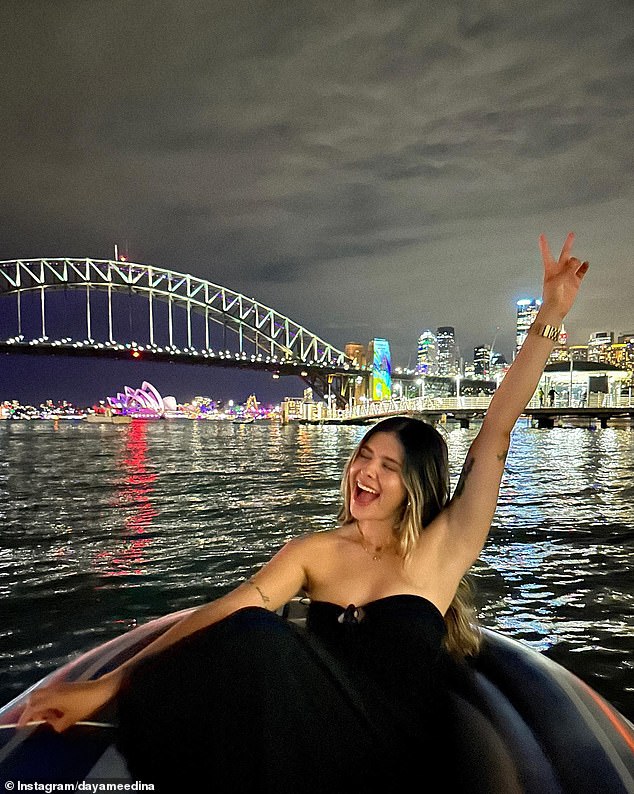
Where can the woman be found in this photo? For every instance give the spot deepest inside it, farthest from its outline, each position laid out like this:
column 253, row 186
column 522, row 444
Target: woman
column 237, row 695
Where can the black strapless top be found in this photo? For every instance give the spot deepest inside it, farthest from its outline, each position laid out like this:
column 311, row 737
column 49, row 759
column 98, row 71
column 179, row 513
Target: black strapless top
column 395, row 643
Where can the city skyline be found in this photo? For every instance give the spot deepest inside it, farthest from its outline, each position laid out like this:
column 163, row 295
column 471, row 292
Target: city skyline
column 366, row 169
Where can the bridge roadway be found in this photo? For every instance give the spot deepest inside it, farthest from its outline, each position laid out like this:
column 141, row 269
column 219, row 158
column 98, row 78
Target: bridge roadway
column 184, row 356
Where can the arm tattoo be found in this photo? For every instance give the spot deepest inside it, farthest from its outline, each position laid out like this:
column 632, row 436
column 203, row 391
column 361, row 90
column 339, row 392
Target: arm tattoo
column 466, row 470
column 265, row 598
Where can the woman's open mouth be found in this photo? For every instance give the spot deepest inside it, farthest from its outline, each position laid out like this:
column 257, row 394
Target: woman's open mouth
column 363, row 494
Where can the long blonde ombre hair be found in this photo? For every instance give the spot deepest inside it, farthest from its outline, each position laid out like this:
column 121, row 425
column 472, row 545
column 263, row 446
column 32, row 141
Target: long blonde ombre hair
column 426, row 478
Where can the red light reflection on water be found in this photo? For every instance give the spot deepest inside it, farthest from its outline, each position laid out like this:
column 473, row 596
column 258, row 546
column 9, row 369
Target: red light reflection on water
column 134, row 501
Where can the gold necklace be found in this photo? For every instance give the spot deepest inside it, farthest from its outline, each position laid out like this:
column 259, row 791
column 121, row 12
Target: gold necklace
column 376, row 553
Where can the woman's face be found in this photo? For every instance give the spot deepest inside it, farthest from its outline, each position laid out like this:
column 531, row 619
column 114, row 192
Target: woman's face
column 377, row 491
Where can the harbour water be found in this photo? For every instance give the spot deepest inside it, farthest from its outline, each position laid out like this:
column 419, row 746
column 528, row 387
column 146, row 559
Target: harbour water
column 107, row 526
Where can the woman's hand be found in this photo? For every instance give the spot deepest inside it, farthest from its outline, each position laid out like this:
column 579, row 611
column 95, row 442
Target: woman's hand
column 562, row 277
column 62, row 705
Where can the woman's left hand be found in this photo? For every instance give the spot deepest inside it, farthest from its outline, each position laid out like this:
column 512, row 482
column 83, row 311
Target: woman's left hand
column 562, row 277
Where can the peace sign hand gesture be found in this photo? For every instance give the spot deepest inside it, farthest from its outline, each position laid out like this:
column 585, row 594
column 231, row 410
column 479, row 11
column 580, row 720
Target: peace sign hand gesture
column 562, row 277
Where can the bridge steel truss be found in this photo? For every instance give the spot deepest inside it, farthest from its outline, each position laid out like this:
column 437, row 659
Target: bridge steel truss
column 251, row 322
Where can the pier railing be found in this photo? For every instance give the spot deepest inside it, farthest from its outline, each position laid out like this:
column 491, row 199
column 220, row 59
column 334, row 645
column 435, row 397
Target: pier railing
column 462, row 408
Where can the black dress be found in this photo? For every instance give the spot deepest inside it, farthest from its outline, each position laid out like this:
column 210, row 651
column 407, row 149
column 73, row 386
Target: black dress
column 253, row 703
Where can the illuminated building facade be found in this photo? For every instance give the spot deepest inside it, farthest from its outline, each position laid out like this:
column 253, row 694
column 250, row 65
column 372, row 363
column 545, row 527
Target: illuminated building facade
column 143, row 403
column 482, row 361
column 578, row 352
column 381, row 377
column 448, row 362
column 599, row 346
column 601, row 349
column 427, row 354
column 527, row 309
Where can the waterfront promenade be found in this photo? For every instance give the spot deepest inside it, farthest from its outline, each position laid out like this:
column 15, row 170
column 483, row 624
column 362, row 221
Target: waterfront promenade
column 466, row 410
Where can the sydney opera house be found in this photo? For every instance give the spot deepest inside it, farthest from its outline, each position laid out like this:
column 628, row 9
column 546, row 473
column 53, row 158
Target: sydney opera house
column 143, row 403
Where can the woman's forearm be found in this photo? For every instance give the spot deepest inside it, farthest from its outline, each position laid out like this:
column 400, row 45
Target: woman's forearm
column 521, row 380
column 562, row 279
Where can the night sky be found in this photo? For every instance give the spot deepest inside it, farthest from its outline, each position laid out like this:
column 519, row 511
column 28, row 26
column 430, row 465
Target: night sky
column 365, row 168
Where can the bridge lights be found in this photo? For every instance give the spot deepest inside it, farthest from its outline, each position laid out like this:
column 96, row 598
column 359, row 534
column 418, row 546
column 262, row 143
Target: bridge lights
column 136, row 354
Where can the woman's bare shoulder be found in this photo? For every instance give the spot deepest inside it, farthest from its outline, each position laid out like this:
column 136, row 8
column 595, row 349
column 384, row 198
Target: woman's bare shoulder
column 322, row 539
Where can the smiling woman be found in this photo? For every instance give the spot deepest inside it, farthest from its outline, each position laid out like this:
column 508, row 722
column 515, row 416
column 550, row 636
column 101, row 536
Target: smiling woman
column 234, row 693
column 375, row 479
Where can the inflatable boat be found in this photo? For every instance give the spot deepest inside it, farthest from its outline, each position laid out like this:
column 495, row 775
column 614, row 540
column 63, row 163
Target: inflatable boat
column 522, row 723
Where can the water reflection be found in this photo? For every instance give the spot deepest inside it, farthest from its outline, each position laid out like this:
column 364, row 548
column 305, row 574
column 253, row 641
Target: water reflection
column 133, row 501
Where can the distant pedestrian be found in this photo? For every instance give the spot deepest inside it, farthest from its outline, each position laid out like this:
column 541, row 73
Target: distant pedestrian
column 551, row 397
column 541, row 397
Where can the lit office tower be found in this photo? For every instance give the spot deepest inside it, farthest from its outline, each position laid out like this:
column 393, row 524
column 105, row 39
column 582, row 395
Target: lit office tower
column 447, row 350
column 526, row 313
column 482, row 361
column 427, row 354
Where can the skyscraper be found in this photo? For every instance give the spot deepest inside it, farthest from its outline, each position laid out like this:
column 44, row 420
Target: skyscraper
column 526, row 312
column 427, row 354
column 447, row 351
column 482, row 356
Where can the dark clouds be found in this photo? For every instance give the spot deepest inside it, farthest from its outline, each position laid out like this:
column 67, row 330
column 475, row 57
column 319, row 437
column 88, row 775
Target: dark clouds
column 368, row 168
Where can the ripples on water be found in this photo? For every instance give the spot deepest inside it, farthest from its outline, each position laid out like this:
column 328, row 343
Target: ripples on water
column 107, row 526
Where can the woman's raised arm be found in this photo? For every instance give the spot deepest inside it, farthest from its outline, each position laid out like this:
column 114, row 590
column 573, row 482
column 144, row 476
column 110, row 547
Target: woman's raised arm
column 471, row 509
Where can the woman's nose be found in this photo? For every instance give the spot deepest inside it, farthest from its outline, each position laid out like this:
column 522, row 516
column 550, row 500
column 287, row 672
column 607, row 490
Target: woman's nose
column 369, row 469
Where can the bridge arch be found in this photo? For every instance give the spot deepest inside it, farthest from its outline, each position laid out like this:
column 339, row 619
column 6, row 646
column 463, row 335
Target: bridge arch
column 251, row 322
